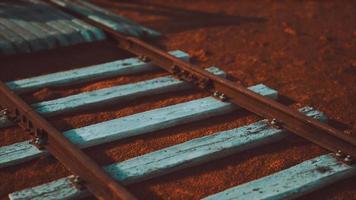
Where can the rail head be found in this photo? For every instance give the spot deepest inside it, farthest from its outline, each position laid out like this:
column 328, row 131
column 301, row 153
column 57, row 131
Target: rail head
column 91, row 175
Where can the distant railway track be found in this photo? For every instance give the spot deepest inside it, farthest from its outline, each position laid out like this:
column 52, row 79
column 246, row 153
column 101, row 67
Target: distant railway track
column 109, row 182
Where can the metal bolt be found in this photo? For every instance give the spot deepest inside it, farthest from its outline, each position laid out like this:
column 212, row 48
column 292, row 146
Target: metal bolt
column 339, row 153
column 348, row 159
column 76, row 179
column 4, row 112
column 77, row 182
column 274, row 121
column 143, row 58
column 216, row 94
column 223, row 97
column 38, row 142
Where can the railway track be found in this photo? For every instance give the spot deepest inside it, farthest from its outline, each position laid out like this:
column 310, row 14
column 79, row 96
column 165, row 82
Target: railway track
column 109, row 182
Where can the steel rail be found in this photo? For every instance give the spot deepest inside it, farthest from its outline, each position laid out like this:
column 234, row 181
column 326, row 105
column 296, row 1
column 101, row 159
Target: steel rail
column 88, row 173
column 285, row 117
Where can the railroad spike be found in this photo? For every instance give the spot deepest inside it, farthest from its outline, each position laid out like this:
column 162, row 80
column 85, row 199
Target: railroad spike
column 220, row 96
column 216, row 94
column 339, row 153
column 348, row 159
column 275, row 123
column 77, row 182
column 143, row 58
column 4, row 112
column 4, row 115
column 39, row 142
column 223, row 97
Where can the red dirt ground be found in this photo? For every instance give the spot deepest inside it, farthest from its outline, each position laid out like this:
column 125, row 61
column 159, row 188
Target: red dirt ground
column 304, row 49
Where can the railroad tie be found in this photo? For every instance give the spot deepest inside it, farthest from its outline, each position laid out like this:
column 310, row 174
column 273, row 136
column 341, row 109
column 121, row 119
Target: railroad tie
column 132, row 125
column 293, row 182
column 97, row 72
column 86, row 74
column 180, row 156
column 34, row 25
column 107, row 18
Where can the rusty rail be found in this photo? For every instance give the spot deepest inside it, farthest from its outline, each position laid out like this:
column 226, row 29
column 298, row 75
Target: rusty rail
column 88, row 173
column 287, row 118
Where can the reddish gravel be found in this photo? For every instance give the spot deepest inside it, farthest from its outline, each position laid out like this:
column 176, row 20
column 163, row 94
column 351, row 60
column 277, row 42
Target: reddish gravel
column 304, row 49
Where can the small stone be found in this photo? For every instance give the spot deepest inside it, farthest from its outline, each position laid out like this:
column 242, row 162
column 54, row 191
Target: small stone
column 290, row 31
column 324, row 38
column 200, row 55
column 353, row 63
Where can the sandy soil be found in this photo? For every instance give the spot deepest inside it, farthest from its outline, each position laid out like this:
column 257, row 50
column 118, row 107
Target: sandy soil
column 304, row 49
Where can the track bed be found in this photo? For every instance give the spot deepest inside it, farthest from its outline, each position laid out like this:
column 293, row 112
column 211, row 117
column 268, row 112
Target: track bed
column 234, row 170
